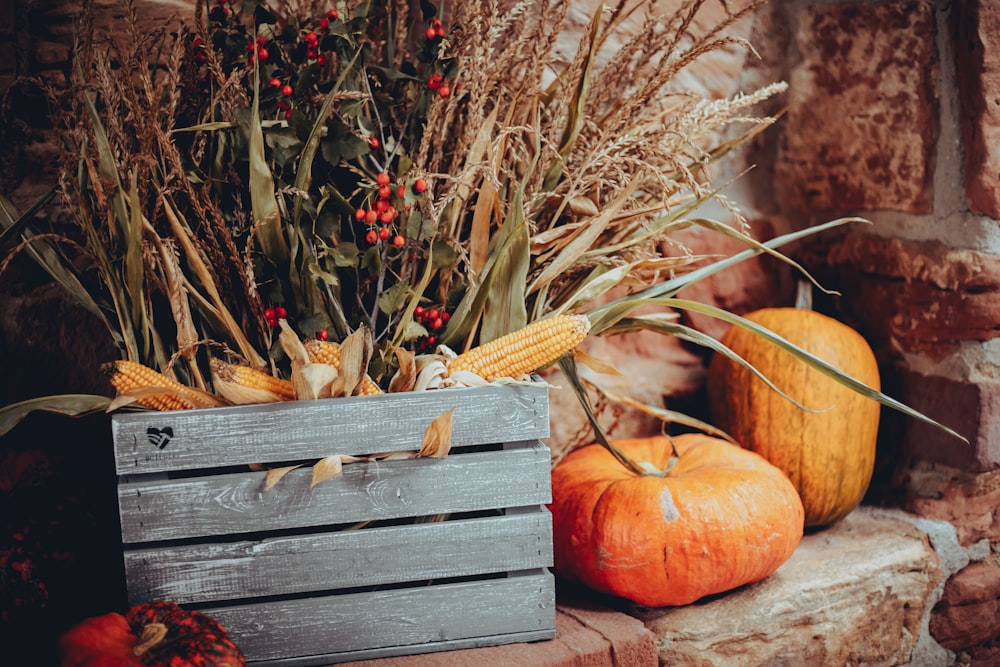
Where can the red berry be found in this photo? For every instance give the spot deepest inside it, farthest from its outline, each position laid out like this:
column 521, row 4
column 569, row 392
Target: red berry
column 433, row 314
column 373, row 142
column 288, row 114
column 435, row 23
column 419, row 312
column 281, row 312
column 321, row 59
column 383, row 233
column 383, row 178
column 434, row 81
column 360, row 214
column 311, row 37
column 275, row 82
column 437, row 323
column 439, row 31
column 445, row 316
column 384, row 192
column 332, row 15
column 287, row 90
column 431, row 340
column 386, row 216
column 444, row 91
column 399, row 241
column 381, row 205
column 371, row 236
column 371, row 216
column 401, row 192
column 324, row 24
column 322, row 334
column 431, row 33
column 269, row 313
column 420, row 186
column 262, row 53
column 273, row 322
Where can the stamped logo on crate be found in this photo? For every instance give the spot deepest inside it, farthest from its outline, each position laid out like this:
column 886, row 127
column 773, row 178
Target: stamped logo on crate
column 159, row 437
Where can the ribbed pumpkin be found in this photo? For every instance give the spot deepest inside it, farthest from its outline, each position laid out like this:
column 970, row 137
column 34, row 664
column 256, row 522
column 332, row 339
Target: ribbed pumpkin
column 828, row 455
column 154, row 634
column 720, row 518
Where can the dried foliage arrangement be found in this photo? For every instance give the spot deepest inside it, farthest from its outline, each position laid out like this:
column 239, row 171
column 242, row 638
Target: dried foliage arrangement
column 391, row 176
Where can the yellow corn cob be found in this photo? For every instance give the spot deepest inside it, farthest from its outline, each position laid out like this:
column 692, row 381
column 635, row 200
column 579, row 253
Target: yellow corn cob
column 525, row 350
column 328, row 352
column 128, row 375
column 253, row 379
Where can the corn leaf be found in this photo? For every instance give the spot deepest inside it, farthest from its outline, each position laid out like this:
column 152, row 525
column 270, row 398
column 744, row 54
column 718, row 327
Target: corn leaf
column 262, row 198
column 605, row 316
column 809, row 359
column 70, row 405
column 505, row 304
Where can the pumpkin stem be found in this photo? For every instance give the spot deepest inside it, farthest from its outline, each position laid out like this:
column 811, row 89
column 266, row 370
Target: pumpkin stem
column 651, row 470
column 804, row 295
column 152, row 634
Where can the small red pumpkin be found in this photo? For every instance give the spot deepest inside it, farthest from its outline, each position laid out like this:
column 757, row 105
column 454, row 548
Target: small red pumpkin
column 721, row 517
column 159, row 634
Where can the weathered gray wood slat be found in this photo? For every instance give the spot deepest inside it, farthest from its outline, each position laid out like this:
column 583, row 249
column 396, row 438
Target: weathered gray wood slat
column 198, row 573
column 323, row 630
column 237, row 503
column 297, row 430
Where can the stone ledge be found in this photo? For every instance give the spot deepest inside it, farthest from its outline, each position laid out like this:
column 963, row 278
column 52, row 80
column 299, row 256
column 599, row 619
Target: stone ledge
column 859, row 592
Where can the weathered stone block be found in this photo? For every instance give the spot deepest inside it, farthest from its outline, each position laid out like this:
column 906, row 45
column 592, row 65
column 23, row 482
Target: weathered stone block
column 862, row 122
column 976, row 48
column 854, row 593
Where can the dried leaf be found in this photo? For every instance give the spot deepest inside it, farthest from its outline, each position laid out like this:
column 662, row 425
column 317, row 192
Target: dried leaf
column 274, row 476
column 406, row 377
column 328, row 468
column 595, row 364
column 355, row 352
column 437, row 437
column 314, row 381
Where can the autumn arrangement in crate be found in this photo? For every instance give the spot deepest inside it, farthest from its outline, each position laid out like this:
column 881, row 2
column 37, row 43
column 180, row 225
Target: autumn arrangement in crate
column 334, row 243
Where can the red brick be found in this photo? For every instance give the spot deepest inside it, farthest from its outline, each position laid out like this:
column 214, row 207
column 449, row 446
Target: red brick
column 969, row 611
column 976, row 49
column 971, row 408
column 921, row 297
column 862, row 124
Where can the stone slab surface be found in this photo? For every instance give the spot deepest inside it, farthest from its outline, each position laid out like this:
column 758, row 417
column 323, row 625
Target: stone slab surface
column 854, row 593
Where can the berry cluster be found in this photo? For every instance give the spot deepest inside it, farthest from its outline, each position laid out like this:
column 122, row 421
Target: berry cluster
column 381, row 215
column 272, row 315
column 433, row 320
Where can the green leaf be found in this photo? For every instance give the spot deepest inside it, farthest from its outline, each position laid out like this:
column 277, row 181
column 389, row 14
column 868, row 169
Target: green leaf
column 393, row 298
column 262, row 200
column 505, row 303
column 344, row 255
column 71, row 405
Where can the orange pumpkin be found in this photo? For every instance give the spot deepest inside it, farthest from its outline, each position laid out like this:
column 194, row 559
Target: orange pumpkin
column 154, row 634
column 829, row 455
column 721, row 517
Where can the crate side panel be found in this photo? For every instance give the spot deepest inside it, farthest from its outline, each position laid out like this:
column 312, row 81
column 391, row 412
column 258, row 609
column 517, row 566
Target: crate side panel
column 390, row 618
column 199, row 573
column 149, row 441
column 229, row 504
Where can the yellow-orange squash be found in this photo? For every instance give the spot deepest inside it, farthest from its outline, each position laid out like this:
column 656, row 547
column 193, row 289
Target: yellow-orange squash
column 720, row 518
column 829, row 455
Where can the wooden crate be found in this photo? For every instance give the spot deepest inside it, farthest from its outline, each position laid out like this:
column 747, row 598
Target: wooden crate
column 288, row 571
